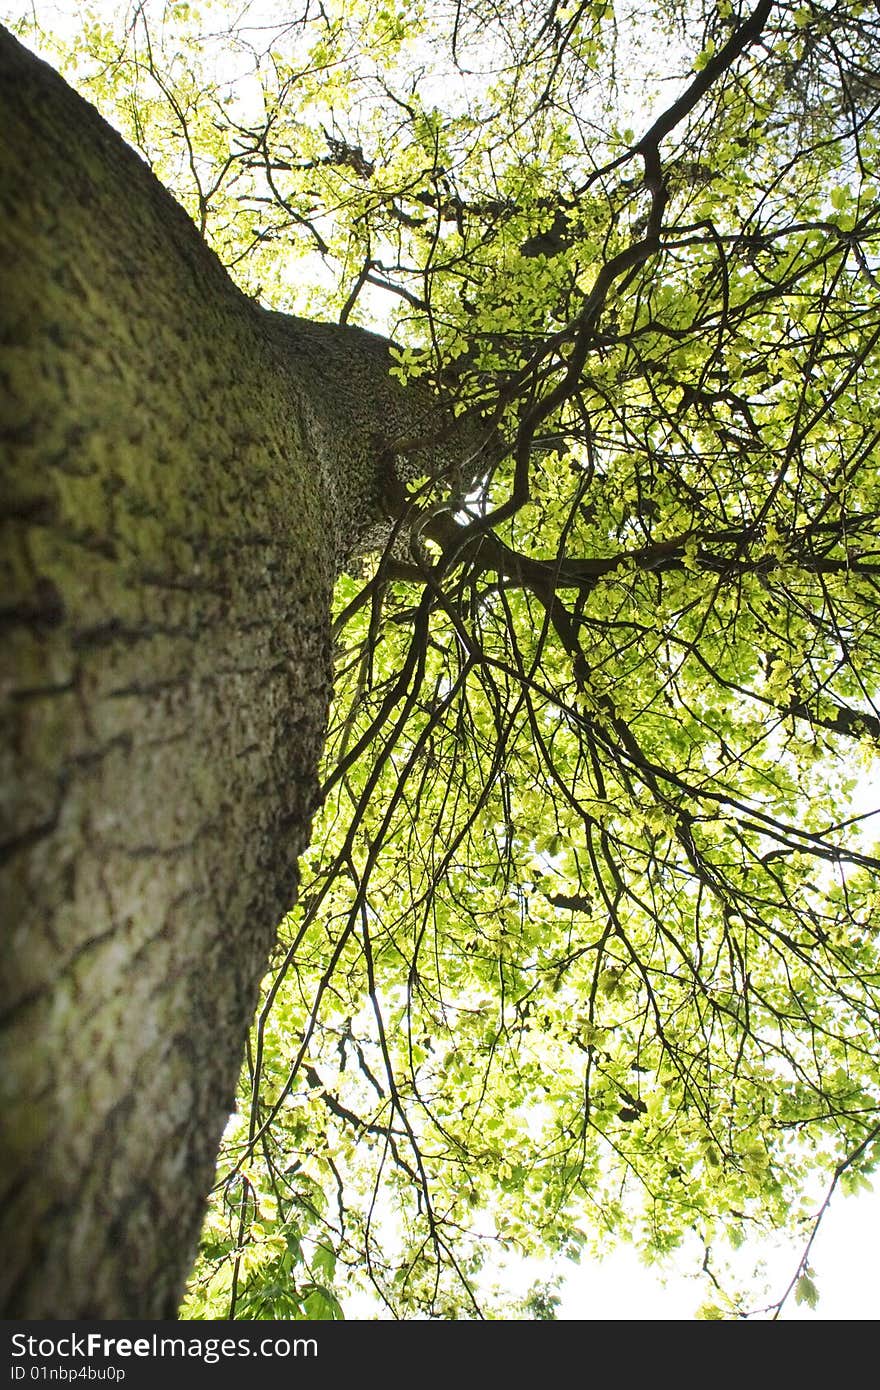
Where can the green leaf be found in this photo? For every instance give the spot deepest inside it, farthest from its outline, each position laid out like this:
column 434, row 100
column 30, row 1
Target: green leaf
column 806, row 1292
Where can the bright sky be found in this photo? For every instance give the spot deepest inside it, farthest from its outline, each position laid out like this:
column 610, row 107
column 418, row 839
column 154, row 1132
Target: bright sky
column 844, row 1258
column 620, row 1288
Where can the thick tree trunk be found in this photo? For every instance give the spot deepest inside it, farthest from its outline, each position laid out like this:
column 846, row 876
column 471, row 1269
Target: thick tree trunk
column 181, row 474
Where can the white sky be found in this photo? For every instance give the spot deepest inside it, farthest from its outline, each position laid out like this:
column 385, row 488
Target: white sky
column 619, row 1288
column 844, row 1258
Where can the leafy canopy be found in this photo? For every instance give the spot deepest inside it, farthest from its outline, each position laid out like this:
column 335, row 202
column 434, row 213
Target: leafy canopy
column 587, row 942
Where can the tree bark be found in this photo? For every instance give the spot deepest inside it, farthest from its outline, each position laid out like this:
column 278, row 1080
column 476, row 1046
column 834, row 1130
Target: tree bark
column 182, row 473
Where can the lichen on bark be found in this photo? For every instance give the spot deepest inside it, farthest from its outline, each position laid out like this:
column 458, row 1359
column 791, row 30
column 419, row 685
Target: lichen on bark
column 182, row 475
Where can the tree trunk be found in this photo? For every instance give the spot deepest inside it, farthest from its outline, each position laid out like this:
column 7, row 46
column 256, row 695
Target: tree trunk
column 182, row 473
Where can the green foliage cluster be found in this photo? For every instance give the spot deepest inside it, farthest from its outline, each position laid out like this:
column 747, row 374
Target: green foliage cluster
column 587, row 939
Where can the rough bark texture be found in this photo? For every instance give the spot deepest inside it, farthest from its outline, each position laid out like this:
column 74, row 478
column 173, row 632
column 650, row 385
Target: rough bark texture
column 181, row 473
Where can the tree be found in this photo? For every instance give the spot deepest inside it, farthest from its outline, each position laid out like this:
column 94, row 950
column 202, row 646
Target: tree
column 170, row 550
column 584, row 934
